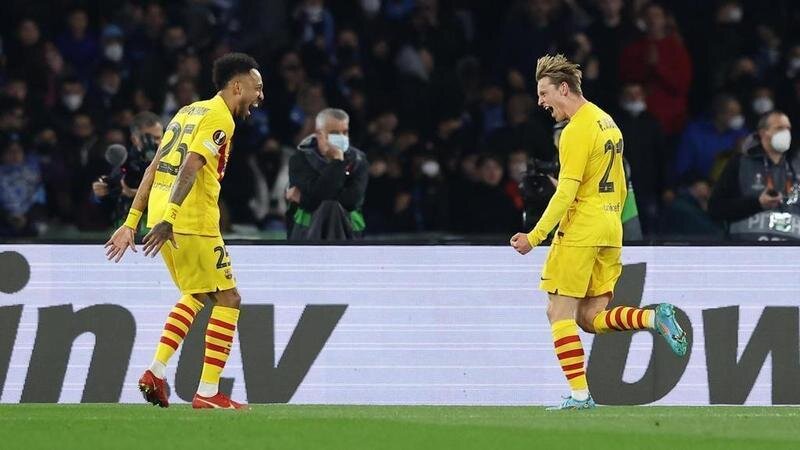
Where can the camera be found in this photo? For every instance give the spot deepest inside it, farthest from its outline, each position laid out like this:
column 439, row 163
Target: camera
column 536, row 189
column 128, row 165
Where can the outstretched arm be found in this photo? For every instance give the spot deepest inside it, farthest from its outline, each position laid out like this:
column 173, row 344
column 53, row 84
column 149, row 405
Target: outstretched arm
column 123, row 237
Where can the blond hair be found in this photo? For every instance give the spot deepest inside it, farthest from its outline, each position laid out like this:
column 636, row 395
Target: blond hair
column 560, row 70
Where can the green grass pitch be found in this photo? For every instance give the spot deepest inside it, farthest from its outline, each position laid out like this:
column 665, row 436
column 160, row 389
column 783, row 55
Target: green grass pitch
column 100, row 426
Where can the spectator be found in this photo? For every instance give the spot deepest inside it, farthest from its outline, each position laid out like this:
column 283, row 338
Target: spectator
column 758, row 194
column 27, row 54
column 22, row 195
column 490, row 209
column 268, row 170
column 762, row 101
column 12, row 116
column 660, row 62
column 705, row 139
column 645, row 151
column 687, row 215
column 516, row 168
column 529, row 33
column 109, row 92
column 734, row 39
column 78, row 47
column 429, row 194
column 387, row 202
column 328, row 180
column 113, row 44
column 522, row 130
column 608, row 34
column 72, row 100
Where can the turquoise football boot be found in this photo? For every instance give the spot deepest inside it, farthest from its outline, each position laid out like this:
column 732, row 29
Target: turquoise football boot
column 570, row 403
column 668, row 327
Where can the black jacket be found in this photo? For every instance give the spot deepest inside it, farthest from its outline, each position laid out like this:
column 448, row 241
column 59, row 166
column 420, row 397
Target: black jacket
column 319, row 179
column 728, row 202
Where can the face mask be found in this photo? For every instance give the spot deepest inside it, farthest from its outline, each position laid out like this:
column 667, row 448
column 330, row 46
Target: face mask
column 781, row 141
column 734, row 15
column 314, row 13
column 736, row 122
column 371, row 7
column 110, row 89
column 763, row 105
column 114, row 52
column 518, row 171
column 430, row 168
column 339, row 141
column 635, row 107
column 72, row 101
column 794, row 64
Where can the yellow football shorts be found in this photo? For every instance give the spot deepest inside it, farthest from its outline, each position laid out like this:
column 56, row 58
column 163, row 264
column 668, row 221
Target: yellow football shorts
column 581, row 271
column 199, row 265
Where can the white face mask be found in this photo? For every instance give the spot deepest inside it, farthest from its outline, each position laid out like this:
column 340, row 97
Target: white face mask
column 371, row 7
column 114, row 52
column 763, row 105
column 314, row 13
column 339, row 141
column 734, row 15
column 430, row 168
column 634, row 107
column 794, row 64
column 736, row 122
column 781, row 141
column 72, row 101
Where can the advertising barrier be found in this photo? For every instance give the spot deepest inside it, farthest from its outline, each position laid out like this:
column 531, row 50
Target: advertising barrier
column 400, row 325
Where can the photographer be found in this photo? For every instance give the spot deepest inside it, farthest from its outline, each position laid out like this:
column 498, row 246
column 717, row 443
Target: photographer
column 328, row 181
column 114, row 192
column 757, row 193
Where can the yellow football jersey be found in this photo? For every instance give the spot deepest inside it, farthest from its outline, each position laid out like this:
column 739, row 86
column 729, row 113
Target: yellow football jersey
column 590, row 151
column 205, row 128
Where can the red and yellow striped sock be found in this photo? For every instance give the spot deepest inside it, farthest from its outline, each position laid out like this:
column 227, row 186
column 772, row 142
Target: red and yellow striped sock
column 623, row 318
column 569, row 352
column 219, row 338
column 179, row 321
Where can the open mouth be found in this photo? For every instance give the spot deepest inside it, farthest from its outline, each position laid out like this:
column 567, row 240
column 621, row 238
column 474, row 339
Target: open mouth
column 252, row 106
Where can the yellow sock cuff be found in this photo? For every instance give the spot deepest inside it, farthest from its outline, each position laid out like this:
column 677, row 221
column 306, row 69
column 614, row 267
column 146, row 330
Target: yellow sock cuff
column 561, row 328
column 226, row 314
column 599, row 323
column 193, row 303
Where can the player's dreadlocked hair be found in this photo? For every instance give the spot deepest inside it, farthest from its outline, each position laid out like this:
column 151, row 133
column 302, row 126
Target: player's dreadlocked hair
column 228, row 66
column 560, row 70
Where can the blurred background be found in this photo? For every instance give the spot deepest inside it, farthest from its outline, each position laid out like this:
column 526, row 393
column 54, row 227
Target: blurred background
column 441, row 98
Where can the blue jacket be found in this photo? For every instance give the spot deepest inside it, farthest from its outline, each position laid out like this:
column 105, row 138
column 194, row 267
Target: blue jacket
column 700, row 144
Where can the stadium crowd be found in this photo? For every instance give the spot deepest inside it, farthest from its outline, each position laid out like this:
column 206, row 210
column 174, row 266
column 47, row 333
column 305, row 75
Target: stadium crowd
column 440, row 95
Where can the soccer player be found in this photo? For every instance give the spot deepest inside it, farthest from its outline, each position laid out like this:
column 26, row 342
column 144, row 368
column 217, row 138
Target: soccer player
column 181, row 190
column 583, row 264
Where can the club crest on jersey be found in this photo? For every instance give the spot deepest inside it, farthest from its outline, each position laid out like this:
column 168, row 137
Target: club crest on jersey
column 218, row 137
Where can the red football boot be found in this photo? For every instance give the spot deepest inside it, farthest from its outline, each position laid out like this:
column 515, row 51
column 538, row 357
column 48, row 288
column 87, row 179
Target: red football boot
column 154, row 390
column 219, row 401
